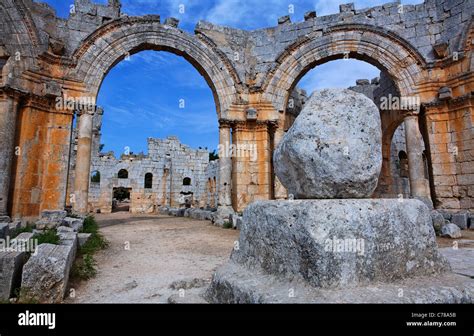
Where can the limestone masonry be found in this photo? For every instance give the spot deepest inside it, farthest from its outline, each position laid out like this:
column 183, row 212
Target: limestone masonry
column 52, row 68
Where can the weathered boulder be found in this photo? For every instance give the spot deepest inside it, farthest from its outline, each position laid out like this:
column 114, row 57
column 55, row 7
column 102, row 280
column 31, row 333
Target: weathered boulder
column 46, row 274
column 339, row 243
column 333, row 149
column 451, row 230
column 51, row 219
column 11, row 264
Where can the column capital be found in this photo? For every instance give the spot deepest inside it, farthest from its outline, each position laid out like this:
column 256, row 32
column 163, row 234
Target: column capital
column 225, row 123
column 89, row 110
column 412, row 113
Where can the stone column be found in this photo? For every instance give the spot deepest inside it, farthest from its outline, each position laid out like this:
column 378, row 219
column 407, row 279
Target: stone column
column 419, row 185
column 225, row 166
column 8, row 117
column 279, row 191
column 83, row 161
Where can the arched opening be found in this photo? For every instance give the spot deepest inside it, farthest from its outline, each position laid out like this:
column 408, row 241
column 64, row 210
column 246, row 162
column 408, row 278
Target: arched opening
column 403, row 164
column 122, row 174
column 148, row 181
column 95, row 176
column 166, row 126
column 134, row 38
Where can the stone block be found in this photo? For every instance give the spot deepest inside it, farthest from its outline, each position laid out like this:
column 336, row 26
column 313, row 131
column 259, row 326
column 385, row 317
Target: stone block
column 51, row 219
column 4, row 230
column 284, row 20
column 172, row 22
column 83, row 238
column 11, row 264
column 346, row 8
column 5, row 219
column 460, row 219
column 310, row 15
column 451, row 230
column 46, row 274
column 339, row 243
column 75, row 223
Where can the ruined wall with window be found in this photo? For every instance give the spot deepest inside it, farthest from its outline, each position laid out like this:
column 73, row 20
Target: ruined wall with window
column 170, row 174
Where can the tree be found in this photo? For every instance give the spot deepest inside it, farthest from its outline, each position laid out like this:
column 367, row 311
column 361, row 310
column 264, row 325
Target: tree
column 213, row 156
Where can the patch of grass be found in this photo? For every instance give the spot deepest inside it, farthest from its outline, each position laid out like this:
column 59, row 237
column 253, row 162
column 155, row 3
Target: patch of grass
column 227, row 225
column 90, row 225
column 84, row 267
column 49, row 236
column 25, row 297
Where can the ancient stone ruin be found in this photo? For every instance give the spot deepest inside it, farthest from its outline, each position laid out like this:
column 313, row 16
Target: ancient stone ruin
column 378, row 179
column 333, row 243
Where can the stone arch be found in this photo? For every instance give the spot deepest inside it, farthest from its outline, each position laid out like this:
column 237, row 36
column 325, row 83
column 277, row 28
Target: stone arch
column 95, row 176
column 381, row 48
column 19, row 27
column 117, row 39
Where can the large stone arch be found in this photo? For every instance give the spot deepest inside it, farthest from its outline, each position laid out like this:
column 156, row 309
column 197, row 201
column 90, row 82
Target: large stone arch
column 114, row 41
column 377, row 46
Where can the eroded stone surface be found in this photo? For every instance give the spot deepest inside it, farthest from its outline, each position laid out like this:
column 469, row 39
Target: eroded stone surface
column 339, row 243
column 11, row 264
column 450, row 230
column 233, row 283
column 333, row 149
column 46, row 273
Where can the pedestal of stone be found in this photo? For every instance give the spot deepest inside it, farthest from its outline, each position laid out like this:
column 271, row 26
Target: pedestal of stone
column 328, row 249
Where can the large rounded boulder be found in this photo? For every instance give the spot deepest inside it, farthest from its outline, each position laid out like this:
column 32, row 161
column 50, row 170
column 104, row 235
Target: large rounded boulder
column 333, row 149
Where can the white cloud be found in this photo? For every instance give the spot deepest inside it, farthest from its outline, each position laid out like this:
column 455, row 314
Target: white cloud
column 337, row 74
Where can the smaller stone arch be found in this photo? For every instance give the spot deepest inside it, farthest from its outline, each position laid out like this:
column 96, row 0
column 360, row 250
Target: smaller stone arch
column 148, row 181
column 187, row 181
column 385, row 50
column 122, row 174
column 95, row 176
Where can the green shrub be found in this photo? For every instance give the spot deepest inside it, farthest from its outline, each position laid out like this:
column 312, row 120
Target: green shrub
column 84, row 268
column 48, row 236
column 227, row 225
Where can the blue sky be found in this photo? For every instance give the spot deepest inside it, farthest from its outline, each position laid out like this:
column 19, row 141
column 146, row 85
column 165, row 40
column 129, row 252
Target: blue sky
column 141, row 96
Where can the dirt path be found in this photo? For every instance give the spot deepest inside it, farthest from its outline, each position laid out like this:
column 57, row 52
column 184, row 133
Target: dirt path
column 150, row 253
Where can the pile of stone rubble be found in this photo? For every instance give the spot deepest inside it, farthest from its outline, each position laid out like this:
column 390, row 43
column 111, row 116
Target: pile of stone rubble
column 38, row 273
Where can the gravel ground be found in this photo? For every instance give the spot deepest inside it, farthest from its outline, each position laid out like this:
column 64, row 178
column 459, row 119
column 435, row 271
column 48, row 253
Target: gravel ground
column 155, row 259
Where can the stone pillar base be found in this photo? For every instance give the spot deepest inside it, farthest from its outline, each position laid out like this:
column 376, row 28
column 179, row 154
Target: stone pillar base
column 330, row 245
